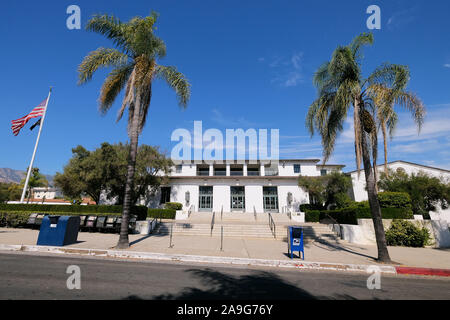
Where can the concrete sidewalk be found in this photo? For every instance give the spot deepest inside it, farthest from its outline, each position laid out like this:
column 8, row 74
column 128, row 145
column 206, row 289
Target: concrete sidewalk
column 318, row 251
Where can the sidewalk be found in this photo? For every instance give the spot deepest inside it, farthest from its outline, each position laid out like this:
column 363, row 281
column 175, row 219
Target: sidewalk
column 318, row 252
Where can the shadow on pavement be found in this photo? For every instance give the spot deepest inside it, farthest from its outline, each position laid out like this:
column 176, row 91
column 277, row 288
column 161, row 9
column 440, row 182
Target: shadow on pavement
column 256, row 286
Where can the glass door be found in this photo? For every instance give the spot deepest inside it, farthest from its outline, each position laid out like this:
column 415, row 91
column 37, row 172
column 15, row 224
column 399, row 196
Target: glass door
column 237, row 198
column 205, row 201
column 270, row 199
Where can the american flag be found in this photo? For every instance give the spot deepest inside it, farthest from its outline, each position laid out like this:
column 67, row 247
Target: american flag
column 18, row 124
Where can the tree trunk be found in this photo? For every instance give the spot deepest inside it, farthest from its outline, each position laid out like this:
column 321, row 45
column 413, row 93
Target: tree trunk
column 383, row 254
column 383, row 128
column 134, row 135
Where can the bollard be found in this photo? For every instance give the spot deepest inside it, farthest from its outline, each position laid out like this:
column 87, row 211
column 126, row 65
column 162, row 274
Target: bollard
column 221, row 239
column 171, row 230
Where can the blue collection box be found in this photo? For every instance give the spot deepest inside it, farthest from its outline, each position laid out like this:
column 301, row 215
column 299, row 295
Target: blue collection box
column 58, row 230
column 295, row 241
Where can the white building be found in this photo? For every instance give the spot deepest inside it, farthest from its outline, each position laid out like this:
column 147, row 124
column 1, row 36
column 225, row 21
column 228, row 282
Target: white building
column 238, row 186
column 47, row 193
column 359, row 184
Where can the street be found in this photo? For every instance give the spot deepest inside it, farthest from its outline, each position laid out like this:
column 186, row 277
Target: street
column 25, row 276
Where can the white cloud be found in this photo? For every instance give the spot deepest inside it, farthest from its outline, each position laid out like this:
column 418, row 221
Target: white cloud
column 287, row 70
column 447, row 65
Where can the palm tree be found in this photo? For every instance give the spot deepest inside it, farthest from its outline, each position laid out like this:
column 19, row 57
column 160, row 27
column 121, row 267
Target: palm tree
column 135, row 66
column 341, row 85
column 385, row 98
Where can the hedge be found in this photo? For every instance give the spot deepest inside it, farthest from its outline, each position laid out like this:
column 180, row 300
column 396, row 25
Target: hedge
column 139, row 211
column 161, row 213
column 312, row 215
column 173, row 205
column 394, row 200
column 351, row 215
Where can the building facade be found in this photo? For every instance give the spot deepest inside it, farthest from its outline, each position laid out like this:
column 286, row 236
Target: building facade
column 359, row 184
column 231, row 186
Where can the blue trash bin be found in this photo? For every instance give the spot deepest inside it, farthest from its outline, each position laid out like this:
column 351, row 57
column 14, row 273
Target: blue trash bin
column 58, row 230
column 295, row 241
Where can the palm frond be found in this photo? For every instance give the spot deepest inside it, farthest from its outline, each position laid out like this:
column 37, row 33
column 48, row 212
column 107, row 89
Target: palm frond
column 358, row 42
column 177, row 81
column 112, row 28
column 100, row 58
column 112, row 86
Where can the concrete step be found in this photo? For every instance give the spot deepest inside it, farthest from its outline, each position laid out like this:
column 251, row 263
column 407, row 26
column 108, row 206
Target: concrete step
column 311, row 233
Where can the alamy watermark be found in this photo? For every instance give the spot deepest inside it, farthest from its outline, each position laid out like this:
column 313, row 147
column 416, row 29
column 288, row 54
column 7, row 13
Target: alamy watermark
column 210, row 146
column 374, row 21
column 74, row 280
column 374, row 280
column 74, row 20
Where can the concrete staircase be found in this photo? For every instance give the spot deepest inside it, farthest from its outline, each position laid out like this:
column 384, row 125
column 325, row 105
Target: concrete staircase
column 243, row 225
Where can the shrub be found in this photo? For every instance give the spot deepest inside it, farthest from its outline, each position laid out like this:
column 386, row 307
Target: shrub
column 161, row 213
column 352, row 214
column 394, row 200
column 406, row 234
column 139, row 211
column 173, row 205
column 312, row 215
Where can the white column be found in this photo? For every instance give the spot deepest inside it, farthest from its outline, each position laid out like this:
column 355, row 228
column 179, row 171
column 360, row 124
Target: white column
column 228, row 169
column 262, row 172
column 211, row 170
column 245, row 169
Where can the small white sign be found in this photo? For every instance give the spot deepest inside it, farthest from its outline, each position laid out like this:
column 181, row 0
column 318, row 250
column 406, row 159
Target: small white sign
column 53, row 225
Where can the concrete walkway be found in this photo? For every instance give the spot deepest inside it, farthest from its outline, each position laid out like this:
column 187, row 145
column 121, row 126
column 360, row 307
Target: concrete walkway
column 323, row 251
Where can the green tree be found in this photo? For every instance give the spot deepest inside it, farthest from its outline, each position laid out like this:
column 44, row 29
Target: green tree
column 328, row 190
column 152, row 168
column 426, row 192
column 88, row 173
column 36, row 180
column 135, row 67
column 341, row 86
column 104, row 170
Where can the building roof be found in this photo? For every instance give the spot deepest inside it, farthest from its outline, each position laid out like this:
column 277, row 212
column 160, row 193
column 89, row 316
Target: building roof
column 242, row 161
column 407, row 162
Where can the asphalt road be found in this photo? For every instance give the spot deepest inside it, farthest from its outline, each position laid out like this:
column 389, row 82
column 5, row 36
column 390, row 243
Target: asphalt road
column 24, row 276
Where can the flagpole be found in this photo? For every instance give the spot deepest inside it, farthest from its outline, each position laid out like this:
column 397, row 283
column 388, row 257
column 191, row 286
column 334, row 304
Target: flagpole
column 35, row 148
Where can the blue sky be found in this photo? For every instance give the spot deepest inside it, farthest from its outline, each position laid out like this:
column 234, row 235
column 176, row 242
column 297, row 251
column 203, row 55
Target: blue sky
column 250, row 64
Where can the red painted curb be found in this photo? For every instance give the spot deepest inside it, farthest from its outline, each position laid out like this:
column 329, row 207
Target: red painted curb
column 423, row 271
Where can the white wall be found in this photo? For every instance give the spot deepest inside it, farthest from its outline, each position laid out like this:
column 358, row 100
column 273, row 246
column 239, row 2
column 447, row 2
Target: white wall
column 359, row 185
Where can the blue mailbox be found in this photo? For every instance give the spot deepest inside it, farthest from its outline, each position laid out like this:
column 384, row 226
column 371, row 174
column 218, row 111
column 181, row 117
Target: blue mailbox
column 58, row 230
column 295, row 241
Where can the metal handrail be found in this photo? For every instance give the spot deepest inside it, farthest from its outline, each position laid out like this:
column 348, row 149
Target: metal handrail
column 272, row 226
column 190, row 210
column 212, row 221
column 289, row 213
column 335, row 222
column 254, row 212
column 221, row 213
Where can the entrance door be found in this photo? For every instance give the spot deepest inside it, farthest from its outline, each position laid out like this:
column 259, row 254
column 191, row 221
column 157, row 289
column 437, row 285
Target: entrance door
column 205, row 200
column 270, row 199
column 237, row 198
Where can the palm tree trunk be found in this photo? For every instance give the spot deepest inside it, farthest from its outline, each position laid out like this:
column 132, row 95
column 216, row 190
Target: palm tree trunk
column 383, row 128
column 134, row 135
column 383, row 253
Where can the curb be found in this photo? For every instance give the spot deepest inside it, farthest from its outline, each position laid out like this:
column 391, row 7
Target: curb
column 423, row 271
column 304, row 265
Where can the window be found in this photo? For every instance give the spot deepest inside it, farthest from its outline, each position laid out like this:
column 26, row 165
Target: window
column 270, row 170
column 178, row 168
column 165, row 195
column 220, row 171
column 297, row 168
column 203, row 171
column 323, row 172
